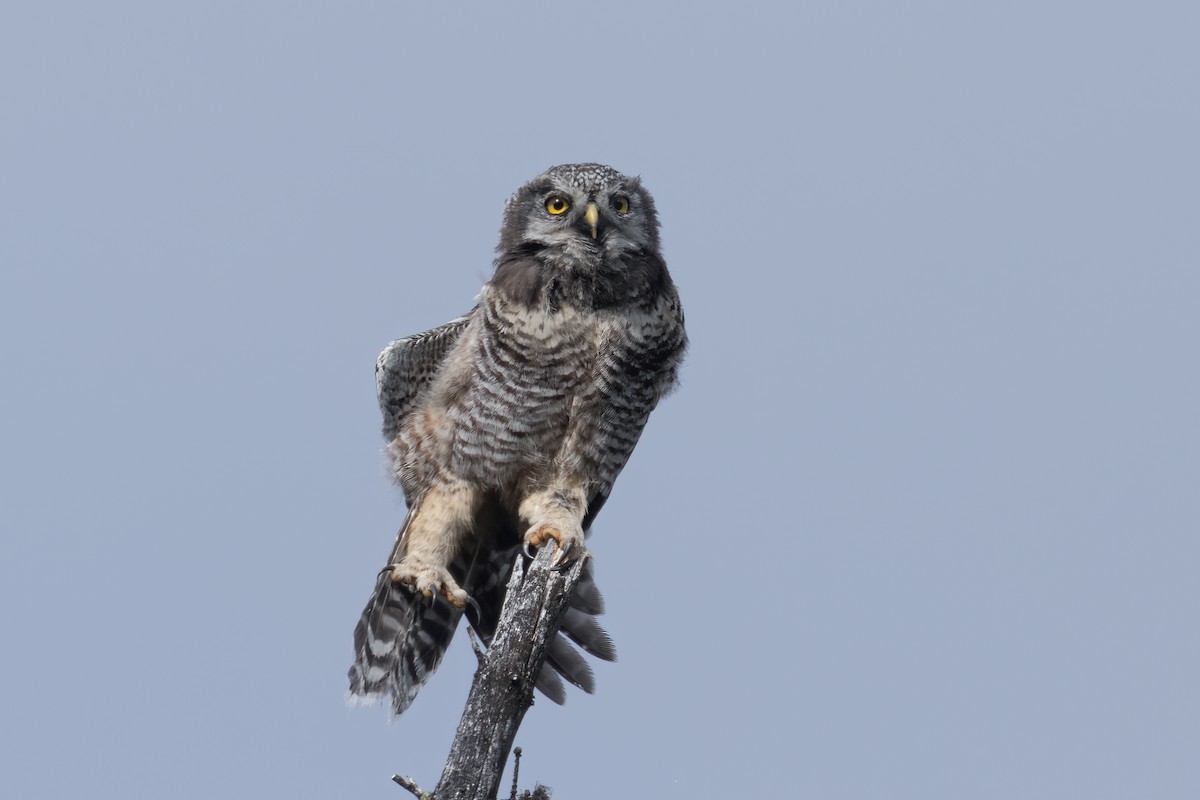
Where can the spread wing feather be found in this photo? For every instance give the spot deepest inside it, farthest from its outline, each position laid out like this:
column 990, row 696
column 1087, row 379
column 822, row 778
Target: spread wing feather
column 406, row 366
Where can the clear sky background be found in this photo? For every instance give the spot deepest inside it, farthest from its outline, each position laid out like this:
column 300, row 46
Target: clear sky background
column 922, row 521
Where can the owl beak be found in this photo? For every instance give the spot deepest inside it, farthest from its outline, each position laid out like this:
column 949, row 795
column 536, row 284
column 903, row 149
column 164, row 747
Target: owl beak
column 592, row 217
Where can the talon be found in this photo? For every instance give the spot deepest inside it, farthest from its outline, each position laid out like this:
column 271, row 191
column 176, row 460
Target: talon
column 528, row 551
column 454, row 599
column 543, row 533
column 570, row 544
column 428, row 581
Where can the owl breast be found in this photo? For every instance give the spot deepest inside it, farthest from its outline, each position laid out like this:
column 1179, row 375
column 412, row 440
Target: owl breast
column 529, row 367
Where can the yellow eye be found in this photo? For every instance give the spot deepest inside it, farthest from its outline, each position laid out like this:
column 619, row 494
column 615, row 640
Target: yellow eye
column 620, row 204
column 557, row 204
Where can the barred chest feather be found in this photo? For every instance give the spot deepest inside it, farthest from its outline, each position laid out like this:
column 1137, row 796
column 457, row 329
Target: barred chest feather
column 504, row 404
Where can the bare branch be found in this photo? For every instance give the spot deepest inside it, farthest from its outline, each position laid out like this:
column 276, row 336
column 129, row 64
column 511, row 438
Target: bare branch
column 516, row 771
column 503, row 688
column 411, row 785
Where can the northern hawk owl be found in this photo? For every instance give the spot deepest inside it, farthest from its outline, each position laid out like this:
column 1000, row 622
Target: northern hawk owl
column 507, row 426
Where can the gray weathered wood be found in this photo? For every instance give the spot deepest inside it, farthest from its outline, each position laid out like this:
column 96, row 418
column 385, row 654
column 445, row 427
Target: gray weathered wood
column 503, row 688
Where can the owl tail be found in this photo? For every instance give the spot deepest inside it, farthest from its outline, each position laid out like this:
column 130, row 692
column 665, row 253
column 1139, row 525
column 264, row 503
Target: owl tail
column 401, row 637
column 398, row 643
column 580, row 626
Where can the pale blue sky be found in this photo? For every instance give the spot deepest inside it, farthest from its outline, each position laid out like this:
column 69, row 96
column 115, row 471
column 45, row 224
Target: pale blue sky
column 921, row 522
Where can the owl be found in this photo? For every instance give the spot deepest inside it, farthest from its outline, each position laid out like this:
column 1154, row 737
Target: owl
column 507, row 426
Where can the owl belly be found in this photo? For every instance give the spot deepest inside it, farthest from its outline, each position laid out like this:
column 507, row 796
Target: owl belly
column 515, row 415
column 495, row 435
column 508, row 434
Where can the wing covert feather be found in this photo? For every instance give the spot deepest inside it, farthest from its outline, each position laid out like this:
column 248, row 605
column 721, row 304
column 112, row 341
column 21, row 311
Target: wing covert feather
column 406, row 366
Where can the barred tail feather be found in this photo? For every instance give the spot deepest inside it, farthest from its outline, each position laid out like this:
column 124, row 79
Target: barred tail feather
column 550, row 684
column 587, row 597
column 579, row 626
column 398, row 644
column 582, row 628
column 567, row 661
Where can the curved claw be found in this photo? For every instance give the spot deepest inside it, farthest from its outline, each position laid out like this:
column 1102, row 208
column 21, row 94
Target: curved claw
column 561, row 562
column 448, row 595
column 413, row 591
column 428, row 584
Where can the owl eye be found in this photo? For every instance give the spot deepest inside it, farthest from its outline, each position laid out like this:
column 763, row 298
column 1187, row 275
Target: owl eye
column 620, row 204
column 556, row 204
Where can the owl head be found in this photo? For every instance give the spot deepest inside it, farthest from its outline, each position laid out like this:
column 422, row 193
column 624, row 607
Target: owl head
column 579, row 216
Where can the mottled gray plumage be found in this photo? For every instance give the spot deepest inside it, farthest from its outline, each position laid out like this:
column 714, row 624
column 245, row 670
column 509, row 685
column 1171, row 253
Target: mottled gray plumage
column 509, row 425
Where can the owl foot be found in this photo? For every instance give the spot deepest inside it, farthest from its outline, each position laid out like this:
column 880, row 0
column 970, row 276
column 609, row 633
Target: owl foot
column 430, row 581
column 570, row 543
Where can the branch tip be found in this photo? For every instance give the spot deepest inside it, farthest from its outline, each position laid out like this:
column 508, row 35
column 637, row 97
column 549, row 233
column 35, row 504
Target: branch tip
column 411, row 785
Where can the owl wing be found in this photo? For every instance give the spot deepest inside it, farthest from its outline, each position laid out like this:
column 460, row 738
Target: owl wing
column 406, row 366
column 639, row 366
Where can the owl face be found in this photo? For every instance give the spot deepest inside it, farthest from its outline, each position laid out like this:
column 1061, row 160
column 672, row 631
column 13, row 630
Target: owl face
column 580, row 215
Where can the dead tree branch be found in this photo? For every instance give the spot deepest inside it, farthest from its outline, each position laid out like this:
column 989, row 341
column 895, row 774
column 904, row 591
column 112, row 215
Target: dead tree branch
column 503, row 688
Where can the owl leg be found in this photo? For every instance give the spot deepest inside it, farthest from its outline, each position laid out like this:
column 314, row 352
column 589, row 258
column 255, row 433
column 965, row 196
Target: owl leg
column 556, row 513
column 430, row 540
